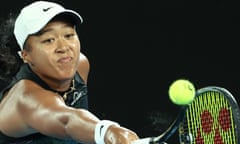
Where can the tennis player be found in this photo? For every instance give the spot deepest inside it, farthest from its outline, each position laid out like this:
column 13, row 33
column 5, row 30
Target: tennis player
column 45, row 100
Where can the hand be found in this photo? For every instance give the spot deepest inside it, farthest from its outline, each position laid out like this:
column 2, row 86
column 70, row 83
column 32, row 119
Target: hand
column 119, row 135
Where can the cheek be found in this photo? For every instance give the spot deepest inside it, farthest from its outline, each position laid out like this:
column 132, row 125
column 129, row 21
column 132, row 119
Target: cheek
column 40, row 57
column 76, row 45
column 76, row 50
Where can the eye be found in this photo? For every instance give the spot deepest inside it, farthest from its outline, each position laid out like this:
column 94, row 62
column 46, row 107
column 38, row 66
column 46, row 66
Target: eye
column 49, row 40
column 68, row 36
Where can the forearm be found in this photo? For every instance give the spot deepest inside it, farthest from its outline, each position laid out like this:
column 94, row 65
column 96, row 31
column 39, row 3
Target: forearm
column 85, row 127
column 81, row 126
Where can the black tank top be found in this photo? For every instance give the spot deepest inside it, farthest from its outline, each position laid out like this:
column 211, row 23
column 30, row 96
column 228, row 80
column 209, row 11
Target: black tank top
column 77, row 99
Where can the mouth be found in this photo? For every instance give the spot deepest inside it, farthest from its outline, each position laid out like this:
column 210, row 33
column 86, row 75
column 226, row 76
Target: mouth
column 64, row 60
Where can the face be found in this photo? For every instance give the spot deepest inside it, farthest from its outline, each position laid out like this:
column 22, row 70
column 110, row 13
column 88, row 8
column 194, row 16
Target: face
column 53, row 53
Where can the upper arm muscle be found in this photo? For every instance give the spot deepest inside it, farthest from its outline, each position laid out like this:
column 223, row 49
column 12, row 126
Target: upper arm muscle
column 43, row 111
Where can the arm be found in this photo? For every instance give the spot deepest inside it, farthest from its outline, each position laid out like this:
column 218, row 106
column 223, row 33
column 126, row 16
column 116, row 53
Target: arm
column 45, row 112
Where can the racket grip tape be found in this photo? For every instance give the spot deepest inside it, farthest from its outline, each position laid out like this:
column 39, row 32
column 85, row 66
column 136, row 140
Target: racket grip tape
column 142, row 141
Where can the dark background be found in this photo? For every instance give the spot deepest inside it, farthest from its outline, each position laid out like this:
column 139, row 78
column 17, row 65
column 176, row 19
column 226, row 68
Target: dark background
column 138, row 48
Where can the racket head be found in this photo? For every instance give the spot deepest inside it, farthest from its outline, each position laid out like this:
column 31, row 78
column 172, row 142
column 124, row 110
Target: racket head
column 213, row 117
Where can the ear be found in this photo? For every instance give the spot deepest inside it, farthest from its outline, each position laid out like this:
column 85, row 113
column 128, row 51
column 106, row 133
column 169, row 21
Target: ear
column 25, row 56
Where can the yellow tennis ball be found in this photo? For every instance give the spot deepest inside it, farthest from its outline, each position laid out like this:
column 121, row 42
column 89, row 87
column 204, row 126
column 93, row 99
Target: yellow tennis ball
column 182, row 92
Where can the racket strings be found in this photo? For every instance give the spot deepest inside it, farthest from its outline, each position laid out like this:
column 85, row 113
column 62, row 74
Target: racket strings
column 209, row 119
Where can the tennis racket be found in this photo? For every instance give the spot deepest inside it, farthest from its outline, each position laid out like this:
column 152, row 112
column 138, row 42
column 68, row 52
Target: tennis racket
column 212, row 118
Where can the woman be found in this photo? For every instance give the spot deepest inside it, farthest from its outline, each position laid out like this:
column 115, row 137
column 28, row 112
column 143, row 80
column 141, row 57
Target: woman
column 46, row 100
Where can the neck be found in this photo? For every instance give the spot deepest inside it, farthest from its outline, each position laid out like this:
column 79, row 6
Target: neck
column 59, row 85
column 65, row 86
column 64, row 94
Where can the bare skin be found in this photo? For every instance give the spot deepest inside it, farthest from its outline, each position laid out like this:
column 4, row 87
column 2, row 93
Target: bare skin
column 54, row 55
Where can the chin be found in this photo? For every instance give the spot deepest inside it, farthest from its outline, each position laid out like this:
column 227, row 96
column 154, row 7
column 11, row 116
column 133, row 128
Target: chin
column 67, row 75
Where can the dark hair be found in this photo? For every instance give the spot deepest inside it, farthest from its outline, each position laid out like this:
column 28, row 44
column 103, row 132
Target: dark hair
column 10, row 60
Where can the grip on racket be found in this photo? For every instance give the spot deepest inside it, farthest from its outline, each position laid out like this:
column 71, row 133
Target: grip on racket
column 142, row 141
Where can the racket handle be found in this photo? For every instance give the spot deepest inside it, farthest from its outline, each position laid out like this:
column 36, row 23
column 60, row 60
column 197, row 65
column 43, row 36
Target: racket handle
column 142, row 141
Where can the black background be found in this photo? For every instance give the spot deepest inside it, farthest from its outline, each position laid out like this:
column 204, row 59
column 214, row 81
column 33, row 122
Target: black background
column 137, row 48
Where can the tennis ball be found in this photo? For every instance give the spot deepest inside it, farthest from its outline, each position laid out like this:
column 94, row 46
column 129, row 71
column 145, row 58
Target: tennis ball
column 181, row 92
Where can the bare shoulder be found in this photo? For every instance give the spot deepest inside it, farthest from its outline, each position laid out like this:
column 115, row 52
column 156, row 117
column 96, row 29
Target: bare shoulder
column 84, row 67
column 29, row 103
column 25, row 94
column 32, row 94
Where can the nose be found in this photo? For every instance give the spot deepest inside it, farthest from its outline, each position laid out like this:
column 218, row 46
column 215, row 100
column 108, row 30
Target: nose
column 62, row 46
